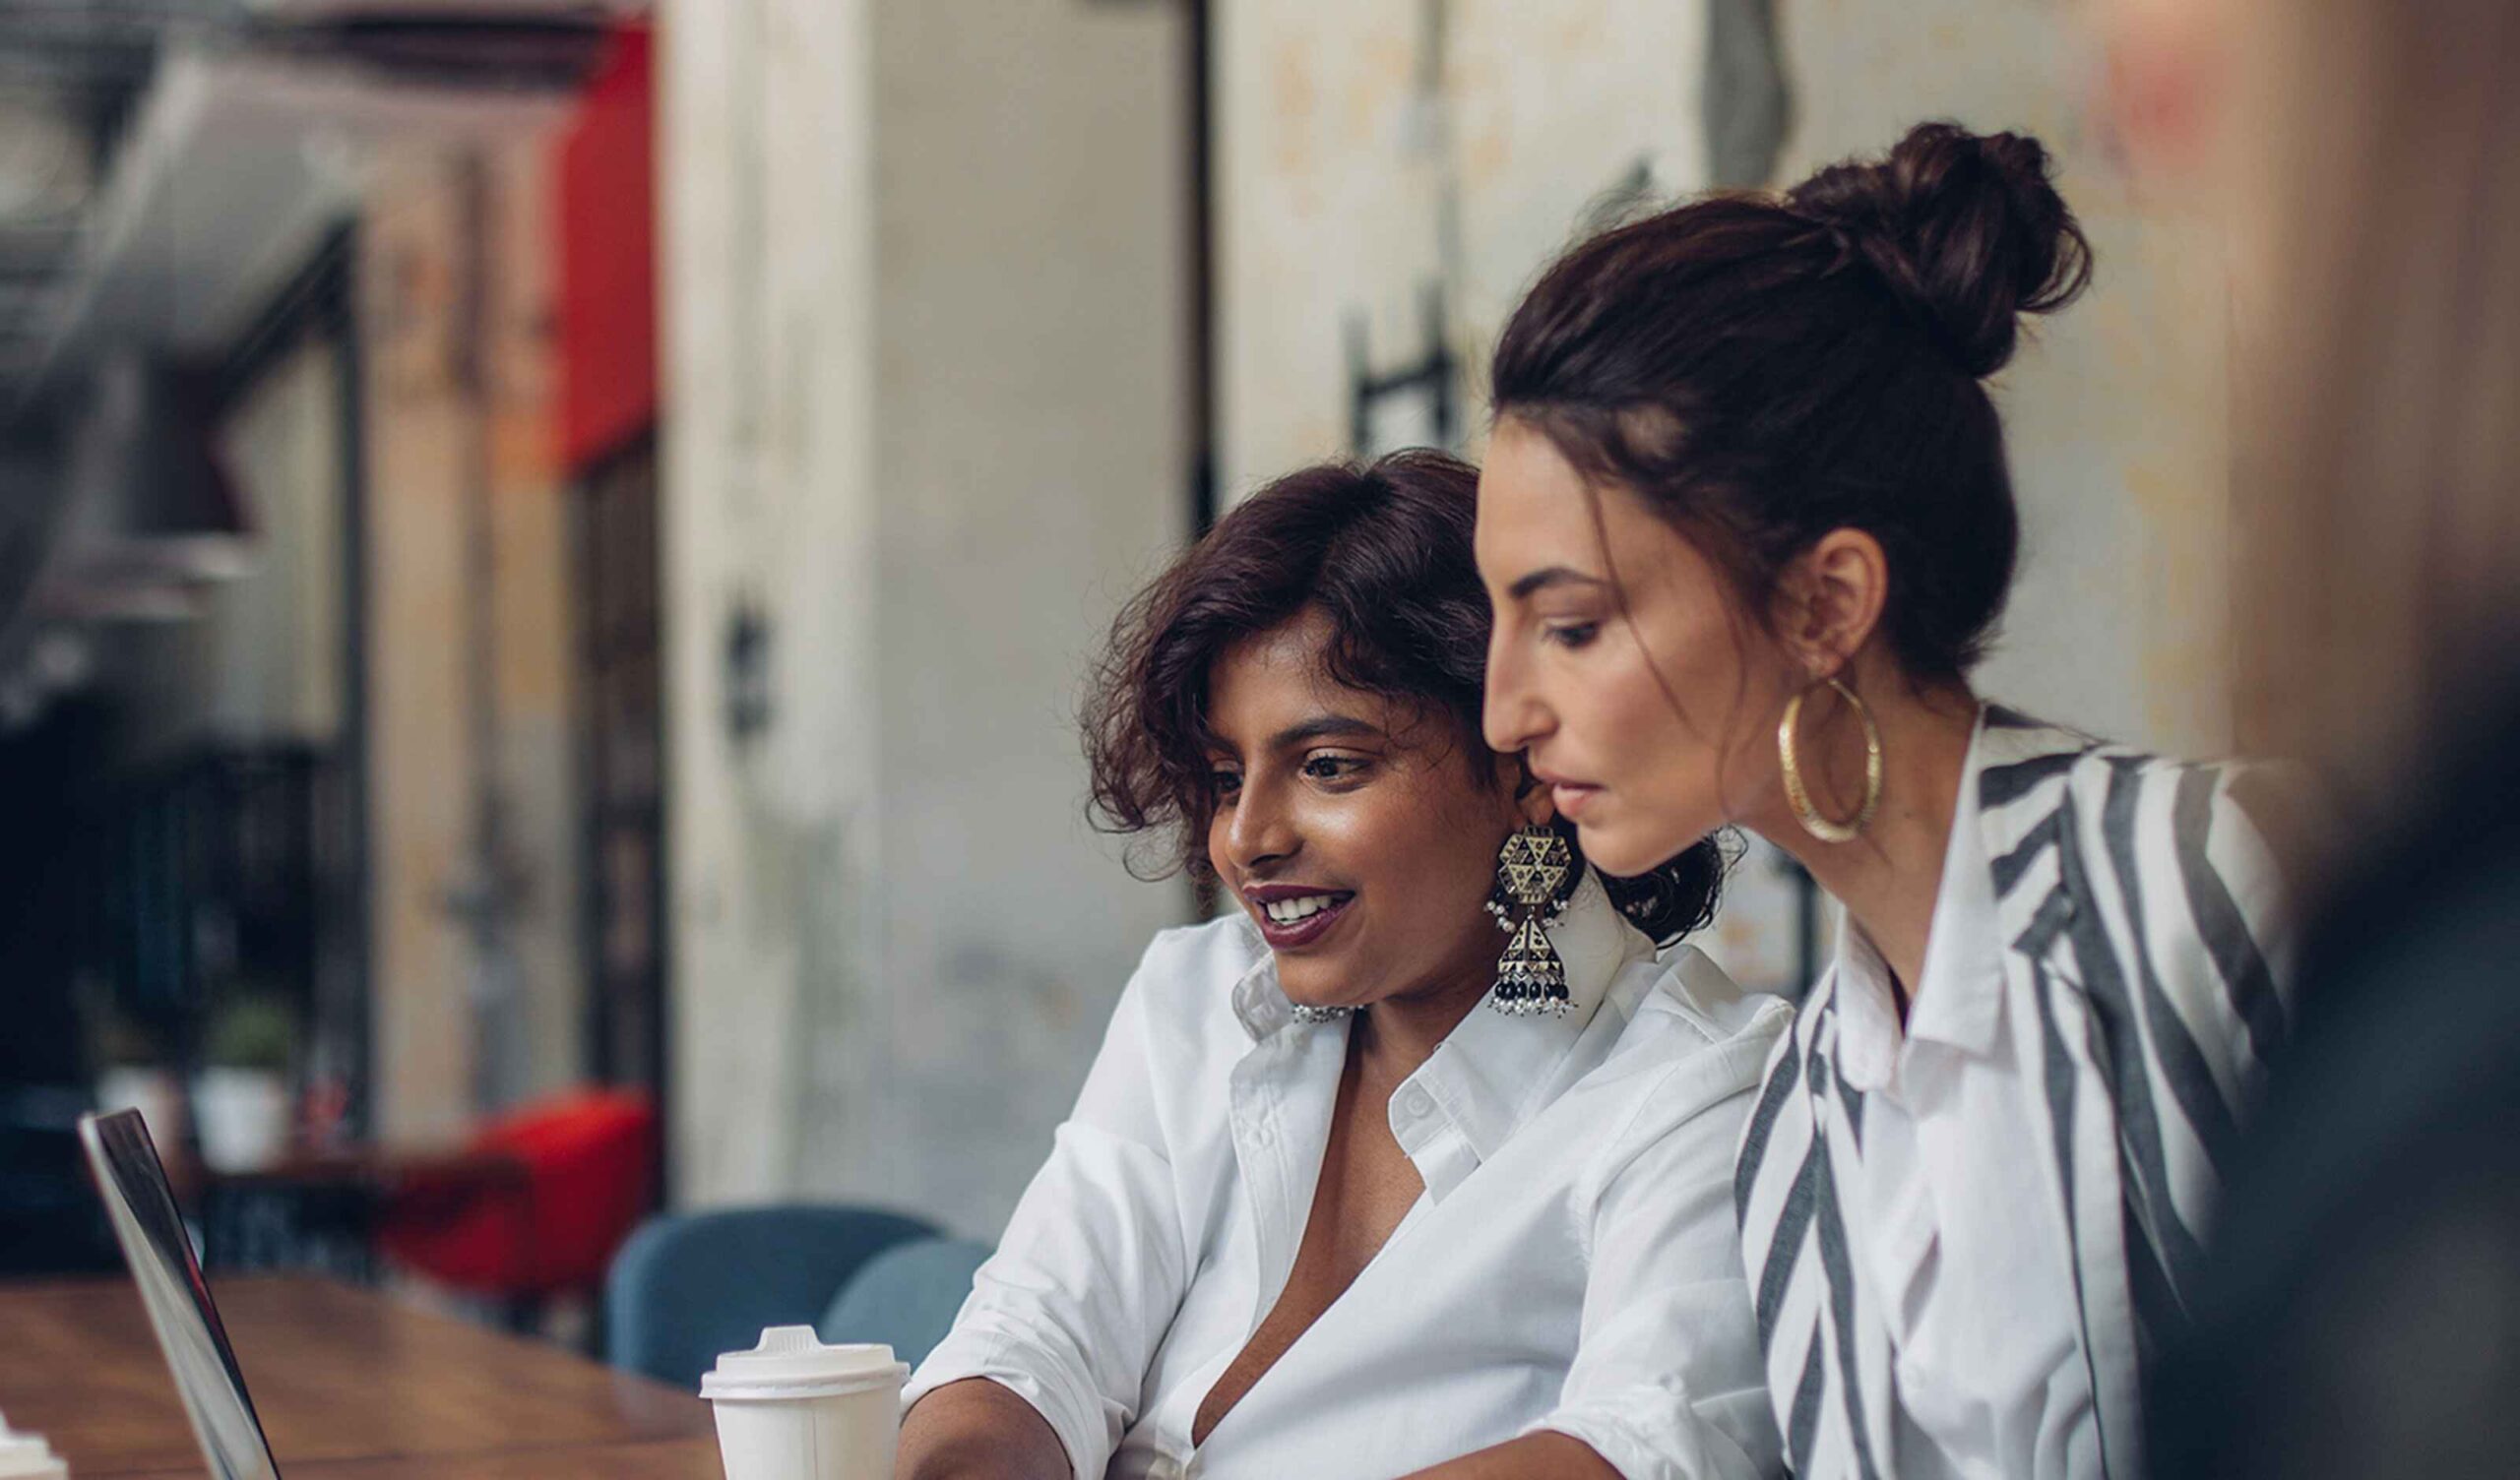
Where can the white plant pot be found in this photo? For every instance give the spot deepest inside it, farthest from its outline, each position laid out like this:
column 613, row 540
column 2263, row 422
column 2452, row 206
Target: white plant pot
column 242, row 1114
column 155, row 1094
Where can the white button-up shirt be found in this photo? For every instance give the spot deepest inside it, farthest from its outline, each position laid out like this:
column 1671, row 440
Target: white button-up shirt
column 1951, row 1221
column 1573, row 1264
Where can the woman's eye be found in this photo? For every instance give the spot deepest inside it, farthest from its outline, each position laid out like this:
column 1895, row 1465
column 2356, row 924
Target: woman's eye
column 1227, row 783
column 1331, row 767
column 1571, row 634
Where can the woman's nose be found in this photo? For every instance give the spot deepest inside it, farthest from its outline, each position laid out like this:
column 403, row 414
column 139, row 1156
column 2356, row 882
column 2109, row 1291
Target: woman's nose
column 1510, row 714
column 1259, row 830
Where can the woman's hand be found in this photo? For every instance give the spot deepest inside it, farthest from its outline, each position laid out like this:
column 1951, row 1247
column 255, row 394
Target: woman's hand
column 976, row 1430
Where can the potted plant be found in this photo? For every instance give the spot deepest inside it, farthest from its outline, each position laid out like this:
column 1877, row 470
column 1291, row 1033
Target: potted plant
column 241, row 1099
column 132, row 1073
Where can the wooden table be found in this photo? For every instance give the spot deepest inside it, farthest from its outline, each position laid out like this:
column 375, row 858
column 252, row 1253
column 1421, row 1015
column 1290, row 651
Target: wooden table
column 350, row 1386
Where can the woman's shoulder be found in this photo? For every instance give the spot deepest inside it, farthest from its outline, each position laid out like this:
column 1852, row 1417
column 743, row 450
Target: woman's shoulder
column 1690, row 988
column 1687, row 1065
column 1174, row 1030
column 2142, row 807
column 2187, row 866
column 1694, row 1036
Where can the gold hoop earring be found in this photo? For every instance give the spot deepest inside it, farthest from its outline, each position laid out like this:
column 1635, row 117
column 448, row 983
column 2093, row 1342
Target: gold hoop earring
column 1798, row 797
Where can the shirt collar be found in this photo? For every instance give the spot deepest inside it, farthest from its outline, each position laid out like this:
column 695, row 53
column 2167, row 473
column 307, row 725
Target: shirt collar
column 1490, row 1073
column 1493, row 1071
column 1959, row 1000
column 1962, row 1000
column 1258, row 1003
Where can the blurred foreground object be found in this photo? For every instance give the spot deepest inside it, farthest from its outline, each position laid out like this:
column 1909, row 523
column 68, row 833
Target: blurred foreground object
column 2362, row 1312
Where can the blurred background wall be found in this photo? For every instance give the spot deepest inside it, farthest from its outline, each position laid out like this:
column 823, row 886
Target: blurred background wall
column 927, row 389
column 475, row 847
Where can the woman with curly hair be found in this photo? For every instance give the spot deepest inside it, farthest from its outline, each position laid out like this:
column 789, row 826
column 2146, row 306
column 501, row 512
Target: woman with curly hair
column 1361, row 1184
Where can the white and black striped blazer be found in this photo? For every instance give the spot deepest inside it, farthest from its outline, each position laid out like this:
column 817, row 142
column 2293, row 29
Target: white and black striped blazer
column 2146, row 989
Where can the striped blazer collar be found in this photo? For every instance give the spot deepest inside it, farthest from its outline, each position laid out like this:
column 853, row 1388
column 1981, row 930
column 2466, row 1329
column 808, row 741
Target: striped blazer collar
column 2022, row 769
column 2025, row 770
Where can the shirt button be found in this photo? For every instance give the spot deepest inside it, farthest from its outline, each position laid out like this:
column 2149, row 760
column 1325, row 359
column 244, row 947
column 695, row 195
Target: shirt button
column 1259, row 1136
column 1417, row 1104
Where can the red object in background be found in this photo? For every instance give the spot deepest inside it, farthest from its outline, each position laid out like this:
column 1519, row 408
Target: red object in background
column 608, row 286
column 537, row 1204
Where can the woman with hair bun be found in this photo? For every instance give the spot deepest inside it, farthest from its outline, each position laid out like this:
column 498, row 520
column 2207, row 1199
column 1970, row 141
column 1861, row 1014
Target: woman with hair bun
column 1747, row 525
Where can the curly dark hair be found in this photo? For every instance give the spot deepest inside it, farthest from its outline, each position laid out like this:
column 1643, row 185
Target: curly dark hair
column 1383, row 550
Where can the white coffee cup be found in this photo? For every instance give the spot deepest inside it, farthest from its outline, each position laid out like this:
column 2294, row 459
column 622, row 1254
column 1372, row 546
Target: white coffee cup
column 795, row 1409
column 26, row 1456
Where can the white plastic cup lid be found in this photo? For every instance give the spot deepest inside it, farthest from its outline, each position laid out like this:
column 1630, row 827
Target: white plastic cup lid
column 25, row 1457
column 793, row 1363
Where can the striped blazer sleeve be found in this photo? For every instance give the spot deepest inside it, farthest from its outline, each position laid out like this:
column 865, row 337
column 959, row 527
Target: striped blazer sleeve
column 2181, row 944
column 2158, row 949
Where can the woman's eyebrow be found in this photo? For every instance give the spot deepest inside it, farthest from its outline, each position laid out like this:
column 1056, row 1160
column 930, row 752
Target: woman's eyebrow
column 1549, row 576
column 1322, row 727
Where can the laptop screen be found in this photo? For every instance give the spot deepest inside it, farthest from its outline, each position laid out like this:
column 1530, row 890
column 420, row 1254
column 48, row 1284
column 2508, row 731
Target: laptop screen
column 151, row 1233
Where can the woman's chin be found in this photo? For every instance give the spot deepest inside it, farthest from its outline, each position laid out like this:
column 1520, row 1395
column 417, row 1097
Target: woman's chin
column 1321, row 1003
column 1627, row 851
column 1321, row 990
column 1610, row 849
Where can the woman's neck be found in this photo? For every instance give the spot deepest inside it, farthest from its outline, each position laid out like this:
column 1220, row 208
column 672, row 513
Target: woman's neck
column 1402, row 1031
column 1890, row 876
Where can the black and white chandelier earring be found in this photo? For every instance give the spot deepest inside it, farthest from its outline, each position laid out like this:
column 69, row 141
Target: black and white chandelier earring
column 1534, row 878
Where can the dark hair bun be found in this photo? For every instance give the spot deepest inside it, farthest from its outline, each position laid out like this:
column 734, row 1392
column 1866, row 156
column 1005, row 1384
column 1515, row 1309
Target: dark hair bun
column 1967, row 230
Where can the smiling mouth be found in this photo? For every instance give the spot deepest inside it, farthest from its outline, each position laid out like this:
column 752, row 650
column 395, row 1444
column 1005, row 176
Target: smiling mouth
column 1292, row 921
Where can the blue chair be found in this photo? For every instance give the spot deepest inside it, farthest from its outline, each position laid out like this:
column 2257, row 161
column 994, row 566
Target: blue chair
column 906, row 1297
column 688, row 1286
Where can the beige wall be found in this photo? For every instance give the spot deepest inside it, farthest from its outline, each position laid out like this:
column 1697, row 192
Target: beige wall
column 440, row 1003
column 1332, row 182
column 1032, row 200
column 767, row 499
column 924, row 327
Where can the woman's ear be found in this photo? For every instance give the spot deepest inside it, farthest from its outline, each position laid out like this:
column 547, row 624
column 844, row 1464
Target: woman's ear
column 1830, row 599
